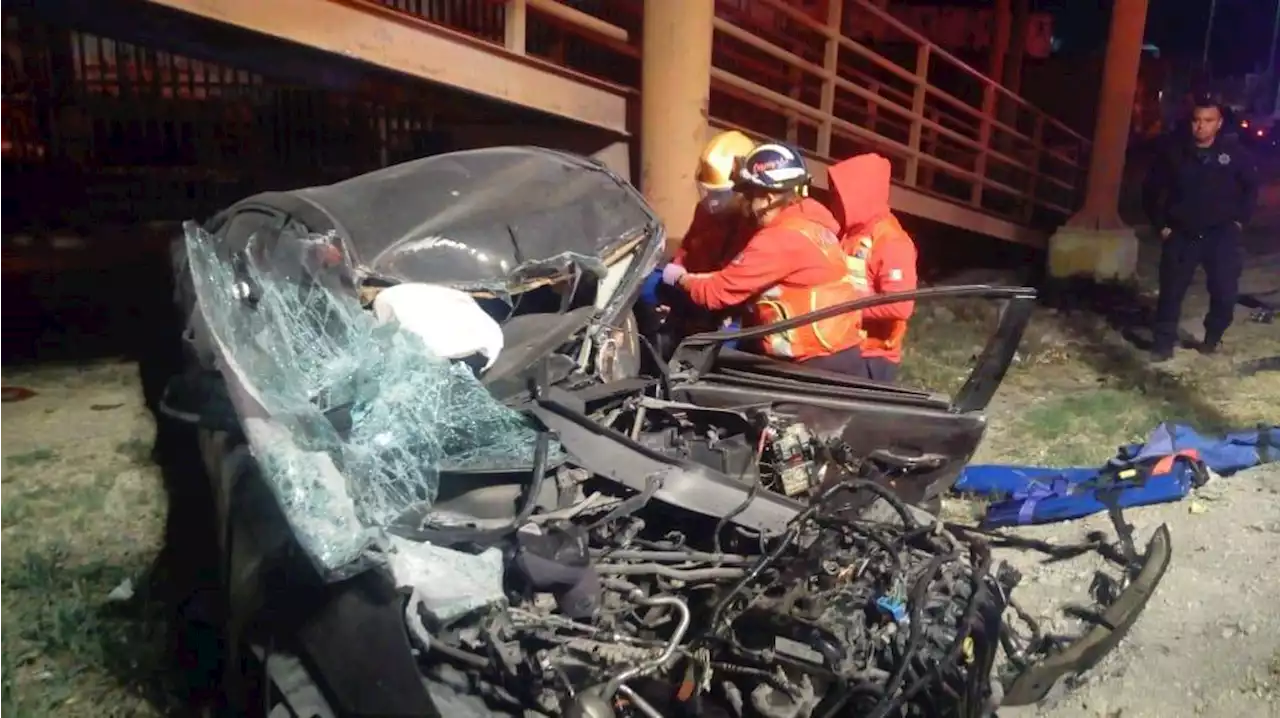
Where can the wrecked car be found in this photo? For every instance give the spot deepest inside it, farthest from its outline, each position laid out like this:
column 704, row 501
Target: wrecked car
column 452, row 474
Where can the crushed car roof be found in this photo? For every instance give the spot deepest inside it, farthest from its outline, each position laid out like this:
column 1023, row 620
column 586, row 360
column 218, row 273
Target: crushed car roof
column 475, row 218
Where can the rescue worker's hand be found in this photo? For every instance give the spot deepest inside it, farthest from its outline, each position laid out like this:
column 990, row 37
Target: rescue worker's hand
column 672, row 273
column 1164, row 233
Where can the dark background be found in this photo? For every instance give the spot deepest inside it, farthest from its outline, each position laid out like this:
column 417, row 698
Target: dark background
column 1241, row 28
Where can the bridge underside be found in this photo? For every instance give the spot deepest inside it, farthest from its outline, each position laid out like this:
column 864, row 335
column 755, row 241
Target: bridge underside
column 545, row 103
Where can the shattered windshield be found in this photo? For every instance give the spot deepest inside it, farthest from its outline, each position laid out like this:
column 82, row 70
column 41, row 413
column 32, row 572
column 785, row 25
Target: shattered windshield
column 350, row 421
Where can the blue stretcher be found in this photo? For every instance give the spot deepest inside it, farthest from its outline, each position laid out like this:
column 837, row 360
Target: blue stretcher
column 1166, row 467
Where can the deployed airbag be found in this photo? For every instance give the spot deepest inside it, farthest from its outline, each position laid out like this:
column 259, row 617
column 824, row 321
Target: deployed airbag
column 448, row 321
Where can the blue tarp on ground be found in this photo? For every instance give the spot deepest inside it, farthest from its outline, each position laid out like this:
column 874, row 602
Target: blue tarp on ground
column 1164, row 468
column 1224, row 455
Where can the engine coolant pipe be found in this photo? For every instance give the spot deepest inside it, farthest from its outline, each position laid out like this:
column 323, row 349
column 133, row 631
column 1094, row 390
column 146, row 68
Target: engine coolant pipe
column 590, row 702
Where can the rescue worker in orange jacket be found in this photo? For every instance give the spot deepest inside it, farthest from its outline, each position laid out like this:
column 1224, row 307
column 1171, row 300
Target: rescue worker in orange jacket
column 720, row 227
column 881, row 257
column 791, row 265
column 719, row 230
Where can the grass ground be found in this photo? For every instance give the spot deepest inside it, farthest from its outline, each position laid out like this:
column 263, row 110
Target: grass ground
column 83, row 509
column 1077, row 389
column 83, row 512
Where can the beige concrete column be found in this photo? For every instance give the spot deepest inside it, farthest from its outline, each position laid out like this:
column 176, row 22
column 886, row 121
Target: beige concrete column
column 675, row 88
column 1095, row 241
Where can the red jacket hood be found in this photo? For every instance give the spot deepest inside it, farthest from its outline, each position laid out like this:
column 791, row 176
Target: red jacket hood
column 860, row 190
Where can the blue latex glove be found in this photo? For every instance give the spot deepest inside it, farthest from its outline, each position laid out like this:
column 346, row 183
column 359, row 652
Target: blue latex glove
column 672, row 274
column 649, row 290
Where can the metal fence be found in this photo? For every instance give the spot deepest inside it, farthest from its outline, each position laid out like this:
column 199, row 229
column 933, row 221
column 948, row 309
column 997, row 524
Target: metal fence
column 98, row 131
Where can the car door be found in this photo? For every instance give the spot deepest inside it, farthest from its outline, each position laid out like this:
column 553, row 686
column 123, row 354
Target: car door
column 920, row 440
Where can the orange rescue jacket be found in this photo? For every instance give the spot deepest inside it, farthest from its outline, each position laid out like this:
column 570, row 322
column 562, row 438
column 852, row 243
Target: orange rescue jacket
column 786, row 300
column 789, row 267
column 712, row 240
column 881, row 255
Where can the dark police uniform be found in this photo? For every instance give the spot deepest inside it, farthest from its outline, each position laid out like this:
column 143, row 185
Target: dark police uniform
column 1205, row 196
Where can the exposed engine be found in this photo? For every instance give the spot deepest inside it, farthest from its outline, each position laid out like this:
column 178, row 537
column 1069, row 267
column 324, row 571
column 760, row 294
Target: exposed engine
column 645, row 612
column 753, row 444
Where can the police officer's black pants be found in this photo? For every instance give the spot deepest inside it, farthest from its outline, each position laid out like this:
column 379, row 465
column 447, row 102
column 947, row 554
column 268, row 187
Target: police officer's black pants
column 1218, row 251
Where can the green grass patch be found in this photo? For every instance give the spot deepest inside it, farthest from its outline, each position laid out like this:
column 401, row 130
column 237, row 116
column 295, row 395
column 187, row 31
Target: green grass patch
column 1077, row 390
column 34, row 457
column 68, row 650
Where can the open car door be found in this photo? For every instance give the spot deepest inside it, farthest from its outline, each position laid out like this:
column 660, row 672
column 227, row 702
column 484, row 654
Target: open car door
column 920, row 440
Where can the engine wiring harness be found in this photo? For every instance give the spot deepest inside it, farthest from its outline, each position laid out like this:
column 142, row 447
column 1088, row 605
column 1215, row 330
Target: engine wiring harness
column 847, row 612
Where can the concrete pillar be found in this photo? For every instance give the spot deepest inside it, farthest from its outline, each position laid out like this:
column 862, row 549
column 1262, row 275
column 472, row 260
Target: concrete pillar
column 1094, row 241
column 675, row 89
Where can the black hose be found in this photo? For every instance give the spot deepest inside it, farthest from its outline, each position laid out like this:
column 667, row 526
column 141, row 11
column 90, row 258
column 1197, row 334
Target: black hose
column 894, row 556
column 458, row 655
column 957, row 644
column 713, row 626
column 919, row 594
column 908, row 519
column 664, row 374
column 751, row 495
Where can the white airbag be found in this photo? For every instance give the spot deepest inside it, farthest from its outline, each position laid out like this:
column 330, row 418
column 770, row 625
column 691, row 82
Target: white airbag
column 449, row 321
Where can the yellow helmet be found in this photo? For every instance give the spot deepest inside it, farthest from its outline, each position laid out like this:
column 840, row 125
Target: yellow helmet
column 720, row 158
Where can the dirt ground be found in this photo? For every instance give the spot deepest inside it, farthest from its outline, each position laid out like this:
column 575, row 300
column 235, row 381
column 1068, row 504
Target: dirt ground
column 1208, row 643
column 83, row 516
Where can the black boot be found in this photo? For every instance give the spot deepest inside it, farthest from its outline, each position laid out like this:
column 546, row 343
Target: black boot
column 1160, row 354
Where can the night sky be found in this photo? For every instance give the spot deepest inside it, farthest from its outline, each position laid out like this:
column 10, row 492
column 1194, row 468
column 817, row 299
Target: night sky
column 1241, row 28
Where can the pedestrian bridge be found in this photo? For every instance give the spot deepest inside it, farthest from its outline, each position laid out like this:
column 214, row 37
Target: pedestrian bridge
column 966, row 152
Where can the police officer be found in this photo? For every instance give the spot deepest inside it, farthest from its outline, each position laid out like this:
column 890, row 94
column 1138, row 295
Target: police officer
column 1199, row 195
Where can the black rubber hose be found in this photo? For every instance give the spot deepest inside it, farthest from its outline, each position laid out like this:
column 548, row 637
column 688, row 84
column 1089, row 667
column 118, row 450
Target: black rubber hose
column 756, row 486
column 787, row 538
column 457, row 655
column 769, row 558
column 918, row 595
column 908, row 519
column 957, row 645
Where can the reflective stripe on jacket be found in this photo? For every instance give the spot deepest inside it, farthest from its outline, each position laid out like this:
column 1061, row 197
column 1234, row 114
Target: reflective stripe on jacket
column 784, row 301
column 884, row 336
